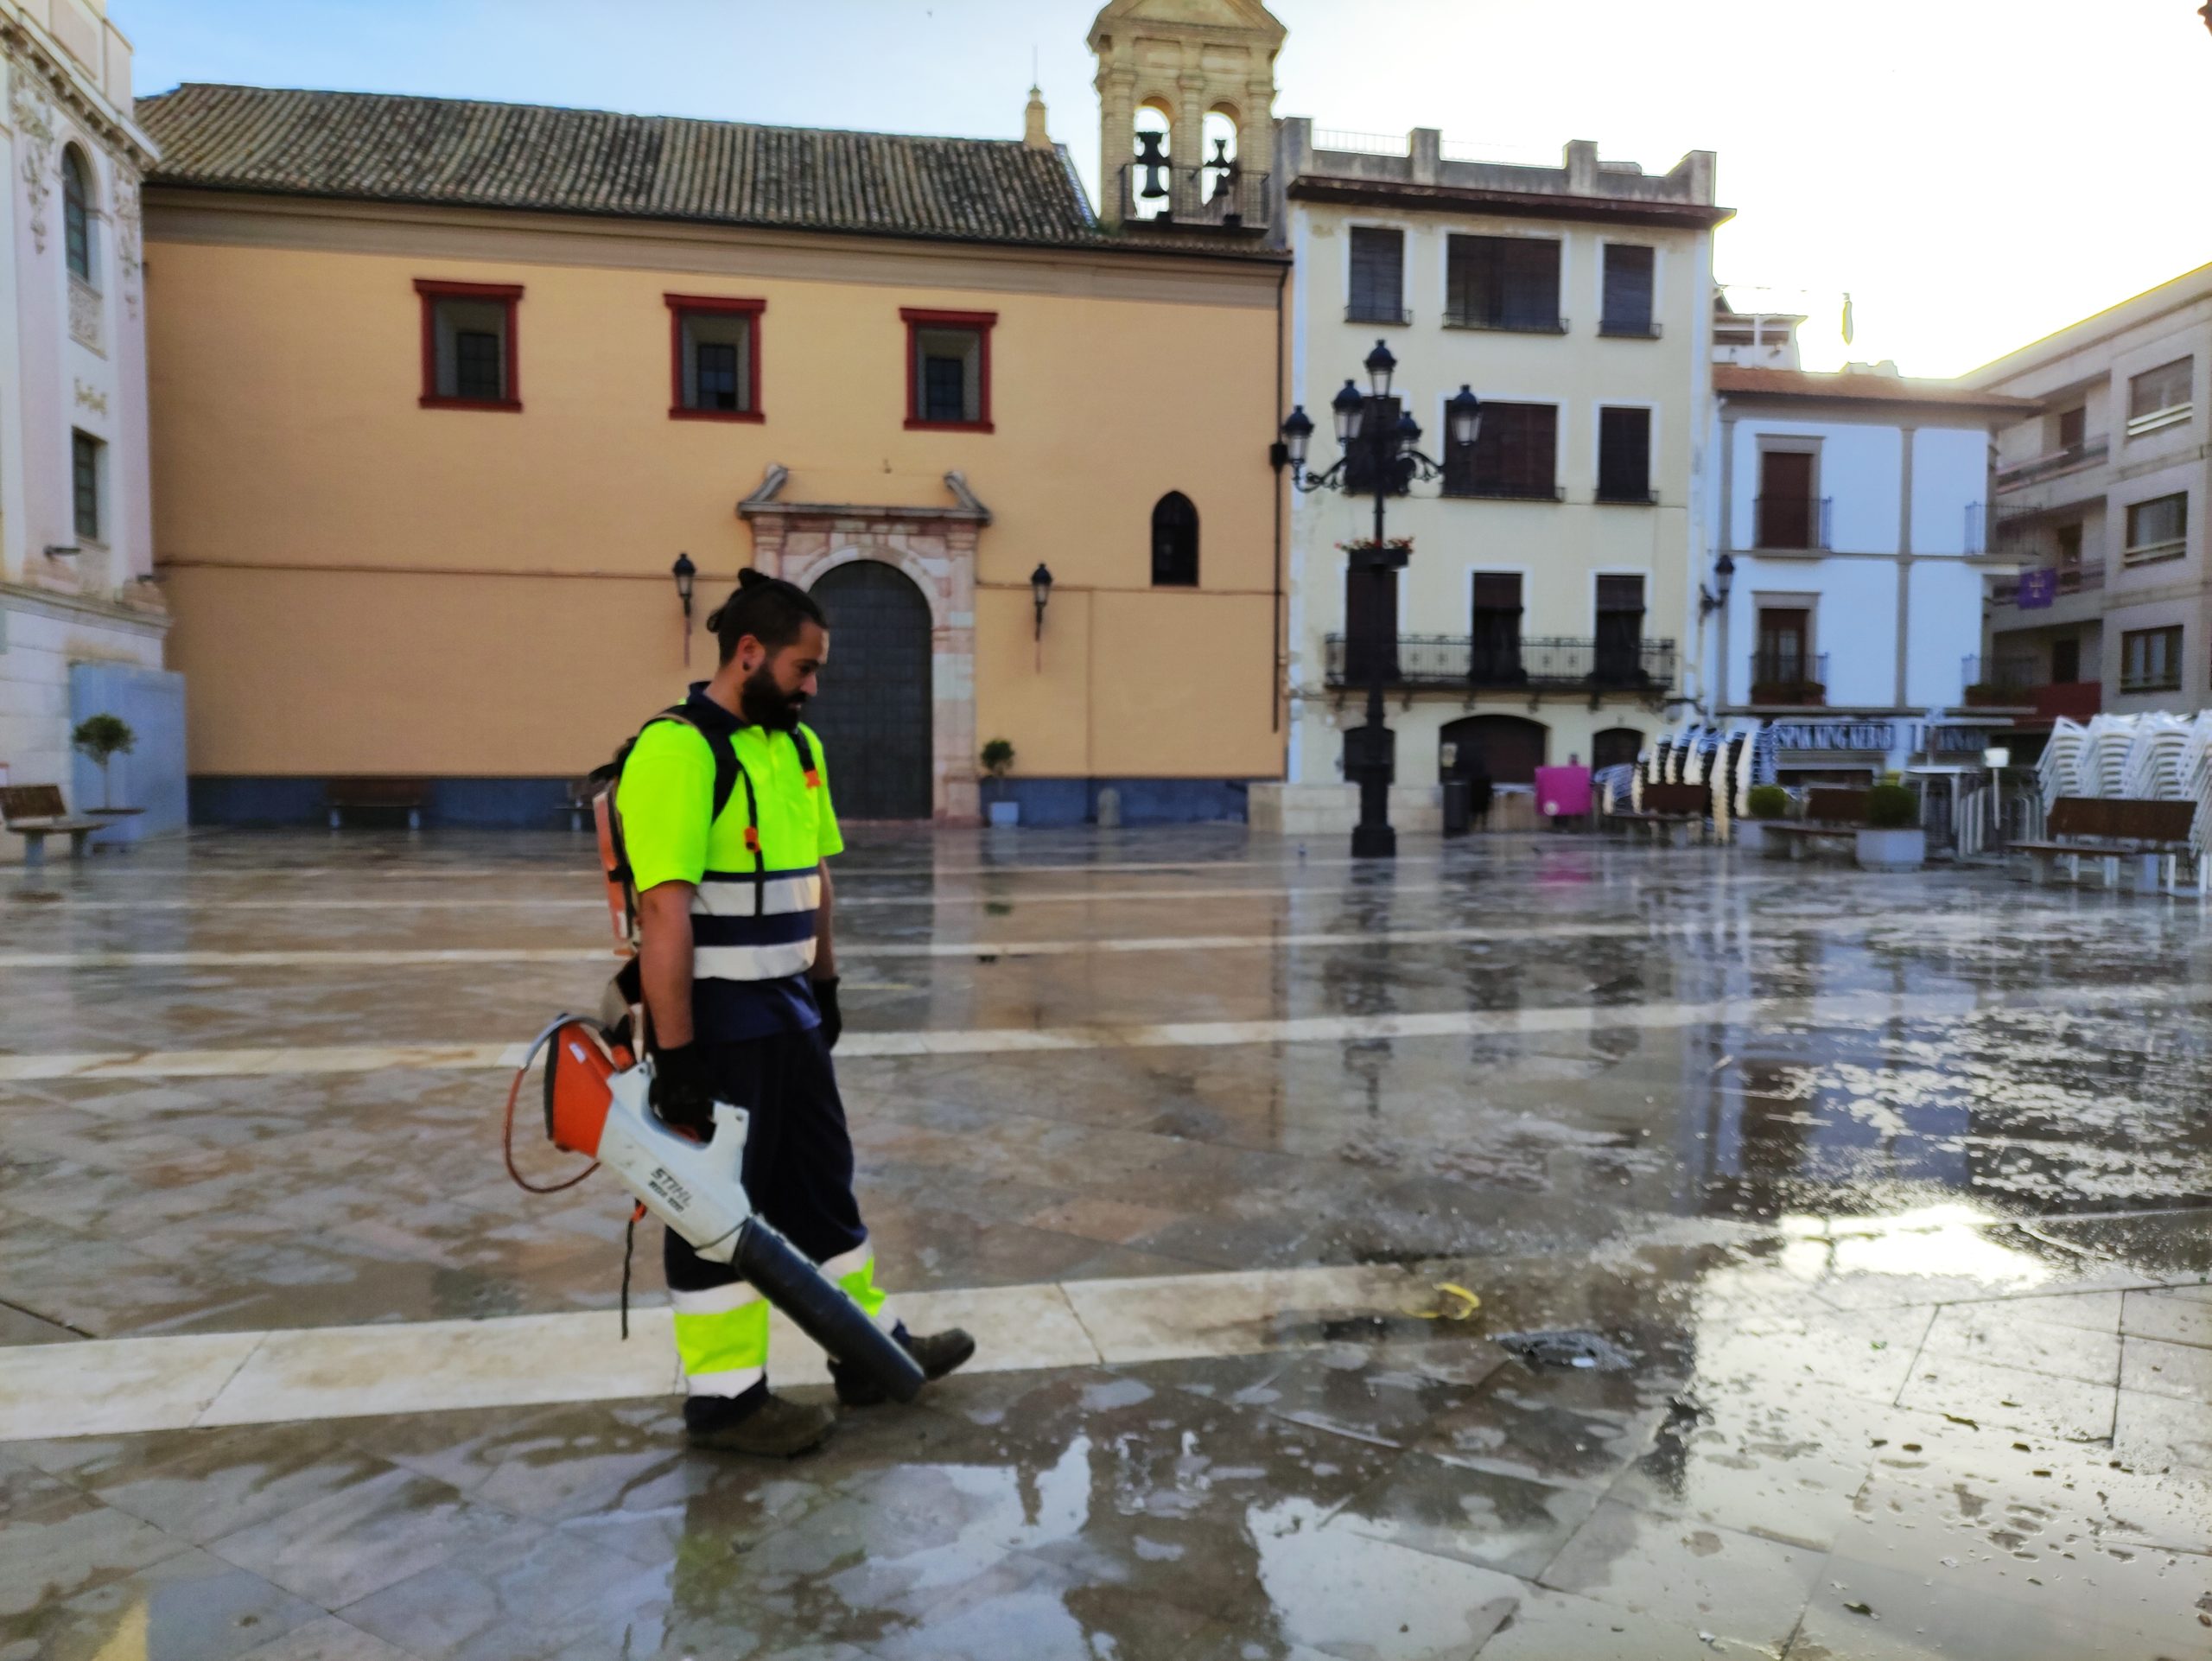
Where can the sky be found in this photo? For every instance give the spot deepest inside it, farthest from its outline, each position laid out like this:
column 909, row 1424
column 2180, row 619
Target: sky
column 1975, row 174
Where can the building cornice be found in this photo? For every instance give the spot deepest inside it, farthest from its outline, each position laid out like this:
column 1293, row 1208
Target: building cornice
column 30, row 47
column 74, row 608
column 180, row 213
column 1509, row 204
column 2190, row 290
column 765, row 502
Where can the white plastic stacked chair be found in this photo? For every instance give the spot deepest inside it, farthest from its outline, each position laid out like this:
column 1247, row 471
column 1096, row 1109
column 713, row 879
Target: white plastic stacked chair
column 2153, row 773
column 2102, row 771
column 2196, row 783
column 1614, row 786
column 2059, row 770
column 1744, row 749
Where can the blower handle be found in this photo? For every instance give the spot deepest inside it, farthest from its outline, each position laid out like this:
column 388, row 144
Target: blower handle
column 819, row 1307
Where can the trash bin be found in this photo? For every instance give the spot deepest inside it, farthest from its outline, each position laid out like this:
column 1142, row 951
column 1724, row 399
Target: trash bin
column 1458, row 816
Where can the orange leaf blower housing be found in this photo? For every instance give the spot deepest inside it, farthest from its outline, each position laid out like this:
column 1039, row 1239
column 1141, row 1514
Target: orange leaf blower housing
column 578, row 1063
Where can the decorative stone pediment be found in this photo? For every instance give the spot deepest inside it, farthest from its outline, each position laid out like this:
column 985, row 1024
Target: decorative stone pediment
column 934, row 545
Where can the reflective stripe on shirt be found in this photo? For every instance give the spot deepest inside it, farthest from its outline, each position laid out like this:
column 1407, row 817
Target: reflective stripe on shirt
column 730, row 893
column 752, row 962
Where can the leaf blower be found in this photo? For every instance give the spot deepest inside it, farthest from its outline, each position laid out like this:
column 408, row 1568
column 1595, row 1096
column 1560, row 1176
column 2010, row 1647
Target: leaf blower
column 597, row 1104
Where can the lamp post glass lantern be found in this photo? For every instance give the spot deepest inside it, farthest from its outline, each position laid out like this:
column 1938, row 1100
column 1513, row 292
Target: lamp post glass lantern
column 1724, row 578
column 1389, row 461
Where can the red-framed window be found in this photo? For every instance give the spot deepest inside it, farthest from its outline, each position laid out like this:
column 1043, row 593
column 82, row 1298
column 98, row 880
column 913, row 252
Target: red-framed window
column 714, row 358
column 949, row 369
column 468, row 345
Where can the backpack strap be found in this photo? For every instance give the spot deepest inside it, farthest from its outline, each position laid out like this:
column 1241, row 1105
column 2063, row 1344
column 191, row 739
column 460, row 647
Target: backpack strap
column 727, row 770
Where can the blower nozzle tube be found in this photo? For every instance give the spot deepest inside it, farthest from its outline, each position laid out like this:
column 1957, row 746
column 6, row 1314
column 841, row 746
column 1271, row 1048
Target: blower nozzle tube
column 818, row 1306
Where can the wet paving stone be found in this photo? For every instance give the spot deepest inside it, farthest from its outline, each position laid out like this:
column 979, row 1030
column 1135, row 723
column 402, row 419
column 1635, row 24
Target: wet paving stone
column 1896, row 1194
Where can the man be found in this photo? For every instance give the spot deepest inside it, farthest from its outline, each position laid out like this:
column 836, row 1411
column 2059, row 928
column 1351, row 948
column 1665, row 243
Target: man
column 727, row 826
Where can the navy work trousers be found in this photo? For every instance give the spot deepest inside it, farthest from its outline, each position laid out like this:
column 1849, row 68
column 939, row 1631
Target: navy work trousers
column 798, row 1155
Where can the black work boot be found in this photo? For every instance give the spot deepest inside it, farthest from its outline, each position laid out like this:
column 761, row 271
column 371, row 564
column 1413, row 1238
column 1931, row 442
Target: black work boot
column 756, row 1423
column 938, row 1355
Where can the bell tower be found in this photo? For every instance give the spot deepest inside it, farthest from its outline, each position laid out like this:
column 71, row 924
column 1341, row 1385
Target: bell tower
column 1167, row 70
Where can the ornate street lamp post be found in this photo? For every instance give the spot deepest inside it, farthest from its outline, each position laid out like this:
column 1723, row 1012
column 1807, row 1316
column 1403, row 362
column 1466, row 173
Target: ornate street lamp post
column 1382, row 457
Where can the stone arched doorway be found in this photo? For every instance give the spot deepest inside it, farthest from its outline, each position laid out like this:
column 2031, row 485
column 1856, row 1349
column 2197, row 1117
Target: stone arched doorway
column 1615, row 747
column 873, row 712
column 934, row 548
column 1509, row 748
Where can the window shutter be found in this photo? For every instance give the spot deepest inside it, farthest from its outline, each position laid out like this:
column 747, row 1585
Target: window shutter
column 1620, row 593
column 1370, row 604
column 1624, row 454
column 1503, row 282
column 1515, row 453
column 2163, row 388
column 1378, row 259
column 1498, row 591
column 1628, row 287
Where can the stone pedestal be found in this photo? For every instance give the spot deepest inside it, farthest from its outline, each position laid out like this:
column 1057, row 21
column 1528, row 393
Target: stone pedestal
column 1333, row 810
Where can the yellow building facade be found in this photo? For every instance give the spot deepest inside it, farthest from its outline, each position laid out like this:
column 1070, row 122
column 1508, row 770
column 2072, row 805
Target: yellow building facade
column 442, row 390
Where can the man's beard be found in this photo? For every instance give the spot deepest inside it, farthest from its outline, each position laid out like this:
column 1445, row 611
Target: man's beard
column 764, row 704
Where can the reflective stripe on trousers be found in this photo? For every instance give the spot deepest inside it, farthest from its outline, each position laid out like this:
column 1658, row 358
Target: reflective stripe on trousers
column 721, row 1338
column 722, row 1335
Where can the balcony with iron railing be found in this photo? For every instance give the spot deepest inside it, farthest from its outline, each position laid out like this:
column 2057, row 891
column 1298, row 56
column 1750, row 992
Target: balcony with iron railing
column 1789, row 679
column 2047, row 583
column 1645, row 328
column 1792, row 524
column 2021, row 680
column 1378, row 311
column 1504, row 320
column 1539, row 663
column 2051, row 464
column 1210, row 198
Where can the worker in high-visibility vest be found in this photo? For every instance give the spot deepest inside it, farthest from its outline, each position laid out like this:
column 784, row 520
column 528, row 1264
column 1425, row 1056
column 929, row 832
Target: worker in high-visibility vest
column 728, row 827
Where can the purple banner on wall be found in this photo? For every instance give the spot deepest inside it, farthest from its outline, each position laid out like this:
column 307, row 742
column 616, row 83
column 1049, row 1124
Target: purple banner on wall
column 2038, row 590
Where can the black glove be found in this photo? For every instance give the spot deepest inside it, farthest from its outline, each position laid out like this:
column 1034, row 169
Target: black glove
column 833, row 1020
column 680, row 1094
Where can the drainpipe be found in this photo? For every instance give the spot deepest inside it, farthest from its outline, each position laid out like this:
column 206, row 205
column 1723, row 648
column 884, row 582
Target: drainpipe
column 1716, row 686
column 1275, row 645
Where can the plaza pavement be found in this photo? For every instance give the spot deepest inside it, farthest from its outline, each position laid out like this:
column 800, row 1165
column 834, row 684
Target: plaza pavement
column 1896, row 1191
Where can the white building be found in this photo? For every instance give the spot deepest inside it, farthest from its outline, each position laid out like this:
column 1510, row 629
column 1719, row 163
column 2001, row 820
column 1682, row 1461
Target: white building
column 1849, row 511
column 1545, row 612
column 81, row 625
column 2102, row 489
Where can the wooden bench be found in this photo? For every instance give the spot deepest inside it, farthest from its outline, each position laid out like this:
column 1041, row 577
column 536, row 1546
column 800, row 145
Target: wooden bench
column 1829, row 813
column 389, row 795
column 1680, row 810
column 2154, row 835
column 37, row 812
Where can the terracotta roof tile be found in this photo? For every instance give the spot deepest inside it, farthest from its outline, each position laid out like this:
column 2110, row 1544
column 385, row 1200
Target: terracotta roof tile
column 459, row 152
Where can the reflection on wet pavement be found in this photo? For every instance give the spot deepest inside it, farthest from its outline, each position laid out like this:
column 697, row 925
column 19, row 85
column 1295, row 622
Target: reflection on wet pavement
column 1902, row 1214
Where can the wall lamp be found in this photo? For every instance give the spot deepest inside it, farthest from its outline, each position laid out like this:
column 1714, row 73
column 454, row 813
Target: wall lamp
column 1724, row 578
column 685, row 574
column 1040, row 593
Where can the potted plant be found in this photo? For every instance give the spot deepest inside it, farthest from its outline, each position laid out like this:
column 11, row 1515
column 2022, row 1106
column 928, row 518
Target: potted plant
column 998, row 761
column 1892, row 839
column 104, row 737
column 1764, row 802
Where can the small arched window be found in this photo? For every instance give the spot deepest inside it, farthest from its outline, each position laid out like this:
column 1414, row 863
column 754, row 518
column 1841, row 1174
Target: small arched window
column 1174, row 543
column 76, row 214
